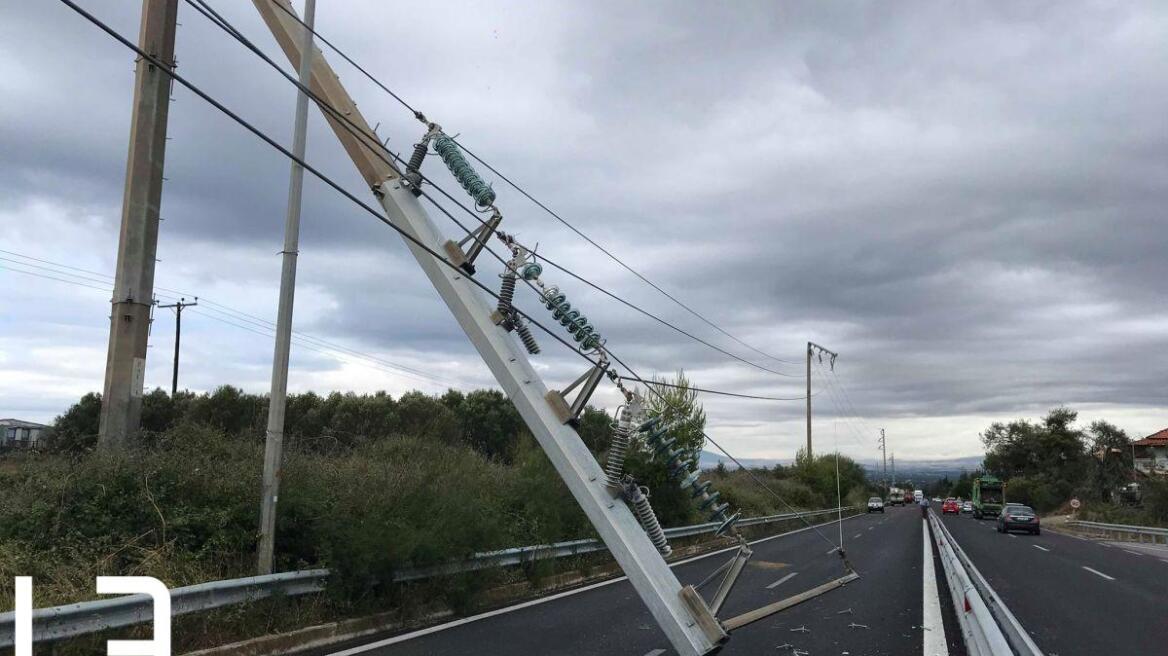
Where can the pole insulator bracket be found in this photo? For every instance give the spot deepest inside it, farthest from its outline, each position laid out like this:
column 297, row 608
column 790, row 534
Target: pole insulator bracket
column 570, row 414
column 477, row 239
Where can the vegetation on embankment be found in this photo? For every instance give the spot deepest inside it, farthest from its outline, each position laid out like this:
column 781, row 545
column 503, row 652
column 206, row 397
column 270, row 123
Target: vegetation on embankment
column 371, row 483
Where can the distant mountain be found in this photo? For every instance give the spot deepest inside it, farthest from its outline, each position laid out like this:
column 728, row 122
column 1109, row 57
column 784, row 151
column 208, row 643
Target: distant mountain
column 928, row 470
column 923, row 470
column 708, row 460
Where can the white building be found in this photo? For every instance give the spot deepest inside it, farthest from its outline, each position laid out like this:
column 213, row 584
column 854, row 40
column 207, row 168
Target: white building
column 1151, row 453
column 17, row 434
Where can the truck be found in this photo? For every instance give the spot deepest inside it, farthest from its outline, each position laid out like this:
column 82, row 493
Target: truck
column 989, row 495
column 895, row 497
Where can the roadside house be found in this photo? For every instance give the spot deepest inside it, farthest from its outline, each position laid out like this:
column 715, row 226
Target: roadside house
column 1150, row 454
column 16, row 434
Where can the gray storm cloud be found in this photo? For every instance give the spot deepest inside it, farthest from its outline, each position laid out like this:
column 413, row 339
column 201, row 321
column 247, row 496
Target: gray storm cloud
column 965, row 201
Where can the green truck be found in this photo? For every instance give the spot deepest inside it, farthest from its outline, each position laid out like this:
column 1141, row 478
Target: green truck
column 989, row 495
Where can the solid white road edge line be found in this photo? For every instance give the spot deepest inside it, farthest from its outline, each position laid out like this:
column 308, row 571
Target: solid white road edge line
column 1098, row 573
column 933, row 633
column 782, row 580
column 543, row 600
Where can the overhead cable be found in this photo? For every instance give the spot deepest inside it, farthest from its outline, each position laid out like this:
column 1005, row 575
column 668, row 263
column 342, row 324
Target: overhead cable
column 420, row 116
column 376, row 147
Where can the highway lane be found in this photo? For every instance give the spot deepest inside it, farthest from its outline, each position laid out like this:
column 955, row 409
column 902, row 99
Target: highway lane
column 1074, row 596
column 879, row 614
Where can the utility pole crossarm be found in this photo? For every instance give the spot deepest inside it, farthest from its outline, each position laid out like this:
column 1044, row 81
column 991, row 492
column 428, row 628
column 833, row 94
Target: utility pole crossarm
column 365, row 149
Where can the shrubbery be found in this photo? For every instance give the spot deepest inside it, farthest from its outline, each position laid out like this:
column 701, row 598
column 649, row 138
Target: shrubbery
column 370, row 483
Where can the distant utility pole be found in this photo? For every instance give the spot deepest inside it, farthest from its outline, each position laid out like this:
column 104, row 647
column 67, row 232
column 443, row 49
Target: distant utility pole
column 813, row 349
column 274, row 439
column 892, row 459
column 178, row 308
column 125, row 367
column 884, row 451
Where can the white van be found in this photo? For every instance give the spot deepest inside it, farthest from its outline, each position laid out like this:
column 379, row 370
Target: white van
column 918, row 495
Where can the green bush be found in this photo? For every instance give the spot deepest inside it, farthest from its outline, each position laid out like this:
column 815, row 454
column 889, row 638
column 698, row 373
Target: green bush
column 1155, row 499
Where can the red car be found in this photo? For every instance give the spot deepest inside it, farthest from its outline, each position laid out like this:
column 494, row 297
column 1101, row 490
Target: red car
column 950, row 506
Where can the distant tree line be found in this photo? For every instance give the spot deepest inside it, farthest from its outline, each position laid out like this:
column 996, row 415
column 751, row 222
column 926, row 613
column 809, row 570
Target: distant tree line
column 484, row 420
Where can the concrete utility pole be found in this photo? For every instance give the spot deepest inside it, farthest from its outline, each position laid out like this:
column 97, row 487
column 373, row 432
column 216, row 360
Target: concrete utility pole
column 125, row 368
column 274, row 441
column 178, row 308
column 812, row 348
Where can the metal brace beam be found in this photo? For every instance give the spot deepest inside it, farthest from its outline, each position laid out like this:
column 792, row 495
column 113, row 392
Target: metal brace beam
column 735, row 569
column 478, row 239
column 570, row 414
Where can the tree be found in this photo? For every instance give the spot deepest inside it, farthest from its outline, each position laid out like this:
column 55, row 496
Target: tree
column 1043, row 463
column 963, row 486
column 76, row 430
column 490, row 424
column 595, row 429
column 1112, row 457
column 678, row 405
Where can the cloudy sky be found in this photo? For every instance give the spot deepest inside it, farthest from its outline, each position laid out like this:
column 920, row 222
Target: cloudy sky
column 965, row 200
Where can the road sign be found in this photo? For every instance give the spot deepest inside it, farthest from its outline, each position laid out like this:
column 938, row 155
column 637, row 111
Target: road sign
column 1075, row 504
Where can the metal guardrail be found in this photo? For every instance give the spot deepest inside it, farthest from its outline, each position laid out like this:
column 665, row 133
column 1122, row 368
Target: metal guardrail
column 71, row 620
column 987, row 625
column 1154, row 534
column 521, row 555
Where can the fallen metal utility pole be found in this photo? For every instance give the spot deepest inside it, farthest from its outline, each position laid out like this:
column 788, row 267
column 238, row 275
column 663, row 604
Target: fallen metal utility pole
column 812, row 347
column 178, row 308
column 274, row 437
column 133, row 297
column 681, row 613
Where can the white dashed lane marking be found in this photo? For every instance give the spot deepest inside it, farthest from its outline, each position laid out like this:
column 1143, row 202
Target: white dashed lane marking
column 1038, row 547
column 656, row 652
column 1098, row 573
column 782, row 580
column 1134, row 553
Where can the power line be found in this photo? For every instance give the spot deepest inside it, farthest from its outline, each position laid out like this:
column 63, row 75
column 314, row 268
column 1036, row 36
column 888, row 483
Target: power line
column 857, row 434
column 263, row 136
column 72, row 282
column 405, row 235
column 231, row 312
column 417, row 114
column 726, row 453
column 217, row 19
column 256, row 326
column 710, row 391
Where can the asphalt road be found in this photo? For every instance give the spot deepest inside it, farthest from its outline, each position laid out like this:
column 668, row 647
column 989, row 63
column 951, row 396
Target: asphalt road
column 880, row 614
column 1073, row 595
